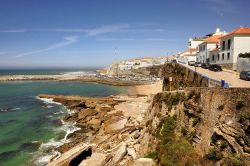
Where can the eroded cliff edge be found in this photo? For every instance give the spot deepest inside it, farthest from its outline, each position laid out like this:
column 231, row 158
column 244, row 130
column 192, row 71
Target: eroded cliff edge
column 214, row 121
column 194, row 126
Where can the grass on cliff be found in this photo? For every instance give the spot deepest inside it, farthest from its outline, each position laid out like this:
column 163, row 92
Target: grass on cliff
column 172, row 150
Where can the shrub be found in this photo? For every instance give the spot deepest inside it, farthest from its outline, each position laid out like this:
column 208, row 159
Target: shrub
column 196, row 120
column 239, row 104
column 152, row 155
column 214, row 154
column 184, row 131
column 244, row 115
column 245, row 55
column 232, row 160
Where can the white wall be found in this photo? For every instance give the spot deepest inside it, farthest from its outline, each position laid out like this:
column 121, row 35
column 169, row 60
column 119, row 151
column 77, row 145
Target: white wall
column 231, row 51
column 241, row 45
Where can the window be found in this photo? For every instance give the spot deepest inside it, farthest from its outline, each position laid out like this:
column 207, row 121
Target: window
column 223, row 56
column 228, row 44
column 228, row 56
column 213, row 57
column 223, row 45
column 204, row 47
column 218, row 57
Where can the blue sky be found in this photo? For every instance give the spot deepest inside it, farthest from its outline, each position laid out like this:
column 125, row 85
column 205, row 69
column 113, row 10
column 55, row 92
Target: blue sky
column 92, row 33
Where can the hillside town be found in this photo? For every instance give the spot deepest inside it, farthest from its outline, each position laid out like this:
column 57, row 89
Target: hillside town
column 227, row 52
column 219, row 48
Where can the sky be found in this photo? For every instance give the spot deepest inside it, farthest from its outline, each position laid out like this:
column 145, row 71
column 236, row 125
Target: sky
column 94, row 33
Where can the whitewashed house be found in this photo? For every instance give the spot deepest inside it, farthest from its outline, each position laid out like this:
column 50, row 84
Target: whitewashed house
column 214, row 56
column 232, row 44
column 188, row 55
column 209, row 44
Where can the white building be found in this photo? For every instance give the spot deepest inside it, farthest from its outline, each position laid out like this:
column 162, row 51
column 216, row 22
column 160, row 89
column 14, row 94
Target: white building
column 209, row 44
column 188, row 55
column 193, row 43
column 232, row 44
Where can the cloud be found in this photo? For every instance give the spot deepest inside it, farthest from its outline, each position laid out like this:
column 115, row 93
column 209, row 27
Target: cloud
column 67, row 41
column 68, row 30
column 13, row 31
column 107, row 29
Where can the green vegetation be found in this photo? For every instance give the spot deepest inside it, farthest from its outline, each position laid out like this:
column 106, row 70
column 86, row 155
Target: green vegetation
column 214, row 155
column 245, row 55
column 232, row 160
column 152, row 155
column 240, row 104
column 244, row 115
column 172, row 150
column 174, row 99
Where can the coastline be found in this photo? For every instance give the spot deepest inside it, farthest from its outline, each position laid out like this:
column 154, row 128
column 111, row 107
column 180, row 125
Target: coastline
column 103, row 121
column 91, row 79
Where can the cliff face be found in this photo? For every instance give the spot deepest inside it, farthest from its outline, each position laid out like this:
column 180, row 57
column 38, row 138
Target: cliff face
column 182, row 77
column 215, row 121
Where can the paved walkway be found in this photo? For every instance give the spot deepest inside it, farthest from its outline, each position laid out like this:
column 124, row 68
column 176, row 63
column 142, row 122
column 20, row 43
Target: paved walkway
column 232, row 78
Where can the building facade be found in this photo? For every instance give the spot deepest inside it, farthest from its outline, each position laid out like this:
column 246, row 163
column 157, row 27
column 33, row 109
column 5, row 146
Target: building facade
column 232, row 44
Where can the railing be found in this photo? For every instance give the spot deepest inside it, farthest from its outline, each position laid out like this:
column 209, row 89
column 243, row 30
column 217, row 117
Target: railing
column 211, row 82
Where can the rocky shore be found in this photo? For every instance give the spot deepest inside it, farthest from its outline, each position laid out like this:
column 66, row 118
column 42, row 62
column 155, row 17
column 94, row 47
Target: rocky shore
column 111, row 128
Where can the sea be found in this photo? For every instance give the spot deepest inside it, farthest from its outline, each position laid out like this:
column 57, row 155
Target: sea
column 29, row 126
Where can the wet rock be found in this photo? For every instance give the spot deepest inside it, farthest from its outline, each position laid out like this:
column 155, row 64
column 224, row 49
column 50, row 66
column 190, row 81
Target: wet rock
column 30, row 146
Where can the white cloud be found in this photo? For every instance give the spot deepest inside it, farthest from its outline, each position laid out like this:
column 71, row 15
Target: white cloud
column 13, row 31
column 107, row 29
column 67, row 41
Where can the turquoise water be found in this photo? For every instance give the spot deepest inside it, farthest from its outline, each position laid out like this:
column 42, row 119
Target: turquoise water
column 26, row 121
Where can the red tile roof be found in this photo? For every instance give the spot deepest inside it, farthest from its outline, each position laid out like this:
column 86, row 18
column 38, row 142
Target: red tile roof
column 213, row 39
column 239, row 31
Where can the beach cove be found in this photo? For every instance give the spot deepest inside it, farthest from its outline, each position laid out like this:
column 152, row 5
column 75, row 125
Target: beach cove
column 29, row 125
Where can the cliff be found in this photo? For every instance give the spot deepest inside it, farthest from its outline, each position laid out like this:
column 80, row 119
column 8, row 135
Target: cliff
column 202, row 126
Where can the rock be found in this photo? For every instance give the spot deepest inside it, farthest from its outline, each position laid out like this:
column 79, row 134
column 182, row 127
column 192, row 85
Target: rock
column 109, row 128
column 96, row 159
column 144, row 162
column 86, row 112
column 131, row 152
column 119, row 153
column 136, row 135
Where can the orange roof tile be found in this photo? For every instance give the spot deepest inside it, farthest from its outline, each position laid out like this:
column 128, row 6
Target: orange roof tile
column 213, row 39
column 239, row 31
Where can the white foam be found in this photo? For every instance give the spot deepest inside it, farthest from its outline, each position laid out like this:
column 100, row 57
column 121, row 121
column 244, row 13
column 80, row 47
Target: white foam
column 42, row 158
column 49, row 101
column 80, row 73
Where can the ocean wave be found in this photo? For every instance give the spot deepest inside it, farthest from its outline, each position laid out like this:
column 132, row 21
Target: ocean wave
column 80, row 73
column 48, row 101
column 9, row 109
column 47, row 150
